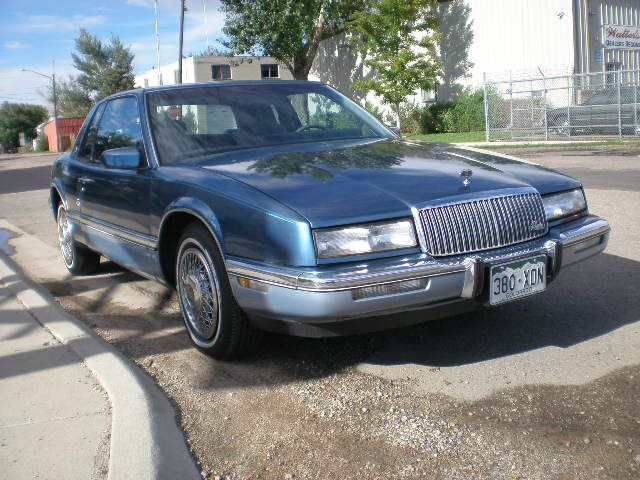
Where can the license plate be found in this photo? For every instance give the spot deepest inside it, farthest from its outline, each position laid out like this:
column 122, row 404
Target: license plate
column 514, row 280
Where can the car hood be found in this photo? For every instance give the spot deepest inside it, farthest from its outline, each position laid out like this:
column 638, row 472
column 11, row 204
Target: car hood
column 340, row 183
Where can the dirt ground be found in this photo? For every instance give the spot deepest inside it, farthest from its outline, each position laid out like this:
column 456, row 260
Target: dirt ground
column 548, row 387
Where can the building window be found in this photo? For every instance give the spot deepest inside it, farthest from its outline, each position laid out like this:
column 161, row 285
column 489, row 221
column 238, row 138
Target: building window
column 146, row 83
column 221, row 72
column 269, row 71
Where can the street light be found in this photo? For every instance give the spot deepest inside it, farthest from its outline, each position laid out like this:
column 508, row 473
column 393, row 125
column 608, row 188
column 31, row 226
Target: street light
column 51, row 77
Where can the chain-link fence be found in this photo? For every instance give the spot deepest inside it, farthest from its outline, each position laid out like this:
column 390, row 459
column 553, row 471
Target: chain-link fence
column 605, row 104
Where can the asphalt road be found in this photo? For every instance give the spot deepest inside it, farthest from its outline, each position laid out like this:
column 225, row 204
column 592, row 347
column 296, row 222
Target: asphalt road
column 544, row 388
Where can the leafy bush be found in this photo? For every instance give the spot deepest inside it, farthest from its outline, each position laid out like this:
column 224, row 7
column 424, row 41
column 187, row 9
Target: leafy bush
column 467, row 115
column 420, row 119
column 433, row 117
column 410, row 115
column 42, row 143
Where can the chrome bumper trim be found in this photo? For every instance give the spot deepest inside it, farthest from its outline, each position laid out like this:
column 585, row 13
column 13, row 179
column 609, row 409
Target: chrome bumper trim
column 338, row 278
column 584, row 232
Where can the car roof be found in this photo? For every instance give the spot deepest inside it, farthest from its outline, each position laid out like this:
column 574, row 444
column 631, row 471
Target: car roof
column 182, row 86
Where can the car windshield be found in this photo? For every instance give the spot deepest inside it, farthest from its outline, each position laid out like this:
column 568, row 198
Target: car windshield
column 193, row 122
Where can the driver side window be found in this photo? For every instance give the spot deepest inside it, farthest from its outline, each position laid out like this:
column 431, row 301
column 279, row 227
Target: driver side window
column 119, row 126
column 85, row 152
column 113, row 126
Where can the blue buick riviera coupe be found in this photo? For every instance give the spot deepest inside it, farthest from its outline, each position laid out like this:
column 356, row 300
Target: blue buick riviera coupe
column 285, row 206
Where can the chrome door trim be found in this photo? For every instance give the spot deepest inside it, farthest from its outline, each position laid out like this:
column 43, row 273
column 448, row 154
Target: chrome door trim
column 125, row 234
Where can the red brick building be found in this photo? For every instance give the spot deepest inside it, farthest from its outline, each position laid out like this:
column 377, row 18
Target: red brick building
column 68, row 127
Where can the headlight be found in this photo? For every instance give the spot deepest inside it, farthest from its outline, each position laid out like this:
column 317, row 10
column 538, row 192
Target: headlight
column 564, row 204
column 365, row 238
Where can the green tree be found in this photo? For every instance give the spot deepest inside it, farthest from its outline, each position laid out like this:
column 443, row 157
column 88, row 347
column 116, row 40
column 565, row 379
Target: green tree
column 105, row 68
column 288, row 30
column 73, row 100
column 396, row 36
column 20, row 117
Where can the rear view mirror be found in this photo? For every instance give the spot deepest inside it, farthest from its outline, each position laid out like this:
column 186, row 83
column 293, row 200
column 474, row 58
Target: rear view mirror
column 125, row 158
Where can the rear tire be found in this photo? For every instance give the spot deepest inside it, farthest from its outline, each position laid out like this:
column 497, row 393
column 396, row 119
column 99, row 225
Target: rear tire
column 215, row 322
column 78, row 259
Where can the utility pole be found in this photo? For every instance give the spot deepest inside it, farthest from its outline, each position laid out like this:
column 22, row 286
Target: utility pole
column 182, row 8
column 155, row 4
column 51, row 77
column 55, row 110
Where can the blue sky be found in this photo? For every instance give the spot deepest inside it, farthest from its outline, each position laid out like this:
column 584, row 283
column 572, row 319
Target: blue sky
column 33, row 34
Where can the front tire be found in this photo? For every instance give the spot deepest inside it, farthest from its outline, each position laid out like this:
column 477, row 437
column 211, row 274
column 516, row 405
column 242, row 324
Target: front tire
column 78, row 259
column 215, row 322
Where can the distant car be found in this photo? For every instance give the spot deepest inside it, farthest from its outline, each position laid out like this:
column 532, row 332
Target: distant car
column 599, row 114
column 8, row 148
column 283, row 205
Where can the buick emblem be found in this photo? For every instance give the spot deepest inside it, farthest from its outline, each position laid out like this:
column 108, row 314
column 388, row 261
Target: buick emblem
column 466, row 175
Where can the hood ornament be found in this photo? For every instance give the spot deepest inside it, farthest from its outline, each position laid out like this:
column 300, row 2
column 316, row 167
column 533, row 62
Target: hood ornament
column 466, row 175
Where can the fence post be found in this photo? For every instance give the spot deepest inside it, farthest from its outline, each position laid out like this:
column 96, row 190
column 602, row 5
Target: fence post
column 619, row 104
column 544, row 100
column 486, row 107
column 570, row 80
column 511, row 103
column 636, row 131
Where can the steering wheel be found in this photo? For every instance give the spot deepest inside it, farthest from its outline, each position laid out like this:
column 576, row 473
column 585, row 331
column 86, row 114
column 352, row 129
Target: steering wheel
column 304, row 128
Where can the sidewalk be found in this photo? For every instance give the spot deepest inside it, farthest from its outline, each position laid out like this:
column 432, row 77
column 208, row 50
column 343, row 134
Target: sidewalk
column 71, row 405
column 55, row 417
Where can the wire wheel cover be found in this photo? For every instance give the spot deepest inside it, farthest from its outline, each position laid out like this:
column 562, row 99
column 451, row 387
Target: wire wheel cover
column 198, row 293
column 65, row 237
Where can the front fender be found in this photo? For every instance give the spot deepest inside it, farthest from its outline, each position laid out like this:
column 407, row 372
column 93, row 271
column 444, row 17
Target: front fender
column 56, row 190
column 198, row 209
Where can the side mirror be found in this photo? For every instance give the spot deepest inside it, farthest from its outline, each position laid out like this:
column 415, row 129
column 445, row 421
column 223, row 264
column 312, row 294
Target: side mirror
column 125, row 158
column 395, row 130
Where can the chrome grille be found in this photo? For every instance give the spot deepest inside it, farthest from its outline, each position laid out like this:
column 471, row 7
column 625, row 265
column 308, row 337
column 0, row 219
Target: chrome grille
column 483, row 224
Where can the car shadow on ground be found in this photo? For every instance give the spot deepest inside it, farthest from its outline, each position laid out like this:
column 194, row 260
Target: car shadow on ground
column 587, row 301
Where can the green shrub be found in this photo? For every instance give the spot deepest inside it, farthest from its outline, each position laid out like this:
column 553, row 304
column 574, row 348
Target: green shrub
column 421, row 119
column 432, row 118
column 467, row 115
column 410, row 118
column 42, row 143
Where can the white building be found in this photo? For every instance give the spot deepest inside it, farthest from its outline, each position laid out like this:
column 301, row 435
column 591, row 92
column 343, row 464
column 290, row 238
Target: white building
column 210, row 68
column 499, row 38
column 553, row 36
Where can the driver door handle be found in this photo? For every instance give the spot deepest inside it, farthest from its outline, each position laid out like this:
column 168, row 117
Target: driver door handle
column 85, row 180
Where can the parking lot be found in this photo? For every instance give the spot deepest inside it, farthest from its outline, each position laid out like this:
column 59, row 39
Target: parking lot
column 548, row 387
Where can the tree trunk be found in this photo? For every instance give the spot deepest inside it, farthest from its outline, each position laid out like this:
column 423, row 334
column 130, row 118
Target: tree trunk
column 300, row 74
column 398, row 121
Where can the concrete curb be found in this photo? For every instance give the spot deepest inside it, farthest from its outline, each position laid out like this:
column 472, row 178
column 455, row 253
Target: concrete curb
column 146, row 442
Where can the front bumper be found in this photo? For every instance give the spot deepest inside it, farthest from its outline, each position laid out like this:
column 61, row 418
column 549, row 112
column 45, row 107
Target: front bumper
column 321, row 299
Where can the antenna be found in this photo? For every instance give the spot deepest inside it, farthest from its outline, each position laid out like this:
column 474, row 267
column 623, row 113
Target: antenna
column 206, row 23
column 181, row 39
column 155, row 4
